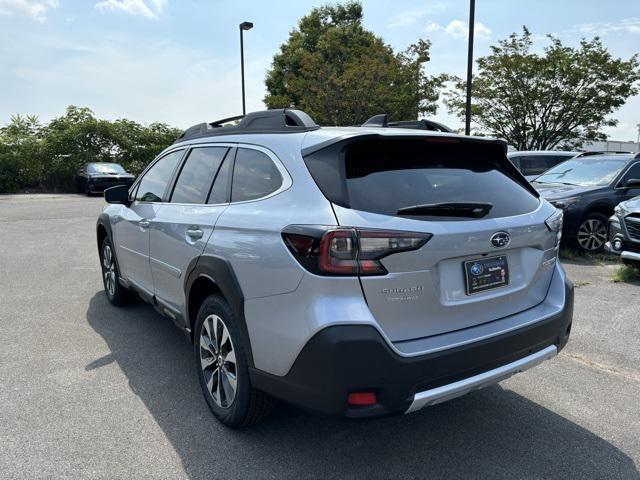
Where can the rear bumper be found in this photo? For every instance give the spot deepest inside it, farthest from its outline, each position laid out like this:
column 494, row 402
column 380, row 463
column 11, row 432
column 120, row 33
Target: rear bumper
column 345, row 359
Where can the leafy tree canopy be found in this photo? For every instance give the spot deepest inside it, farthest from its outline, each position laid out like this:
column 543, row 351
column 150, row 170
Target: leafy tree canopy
column 557, row 99
column 341, row 74
column 39, row 156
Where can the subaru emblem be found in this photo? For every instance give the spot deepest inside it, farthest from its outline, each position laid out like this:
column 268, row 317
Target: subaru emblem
column 477, row 269
column 500, row 239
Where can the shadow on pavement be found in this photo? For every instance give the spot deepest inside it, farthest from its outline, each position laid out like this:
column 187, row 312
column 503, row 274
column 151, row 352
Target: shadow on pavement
column 490, row 433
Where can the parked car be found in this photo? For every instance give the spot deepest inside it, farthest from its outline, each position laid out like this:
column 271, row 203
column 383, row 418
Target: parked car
column 352, row 271
column 587, row 189
column 533, row 163
column 624, row 232
column 98, row 176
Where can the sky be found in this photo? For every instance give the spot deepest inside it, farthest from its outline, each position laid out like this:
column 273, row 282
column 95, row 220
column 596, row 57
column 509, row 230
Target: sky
column 177, row 61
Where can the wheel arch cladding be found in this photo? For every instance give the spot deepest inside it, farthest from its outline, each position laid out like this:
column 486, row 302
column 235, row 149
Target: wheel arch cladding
column 210, row 275
column 103, row 230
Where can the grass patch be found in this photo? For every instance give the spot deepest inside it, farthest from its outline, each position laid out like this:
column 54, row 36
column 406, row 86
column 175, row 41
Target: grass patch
column 579, row 284
column 571, row 254
column 626, row 273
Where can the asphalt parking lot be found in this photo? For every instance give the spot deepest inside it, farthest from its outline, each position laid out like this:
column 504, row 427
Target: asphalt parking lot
column 88, row 390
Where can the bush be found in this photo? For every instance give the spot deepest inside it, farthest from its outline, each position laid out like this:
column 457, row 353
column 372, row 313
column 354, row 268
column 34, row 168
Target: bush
column 47, row 157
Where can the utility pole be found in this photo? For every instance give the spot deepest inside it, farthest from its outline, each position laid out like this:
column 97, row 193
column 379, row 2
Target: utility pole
column 472, row 15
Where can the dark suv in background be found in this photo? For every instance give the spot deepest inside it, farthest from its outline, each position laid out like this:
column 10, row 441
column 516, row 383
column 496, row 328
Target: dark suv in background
column 587, row 189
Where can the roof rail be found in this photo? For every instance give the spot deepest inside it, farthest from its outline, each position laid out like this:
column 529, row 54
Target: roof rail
column 600, row 152
column 283, row 120
column 382, row 120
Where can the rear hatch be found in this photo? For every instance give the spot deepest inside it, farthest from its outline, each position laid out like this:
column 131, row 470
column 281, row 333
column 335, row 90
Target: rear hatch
column 490, row 253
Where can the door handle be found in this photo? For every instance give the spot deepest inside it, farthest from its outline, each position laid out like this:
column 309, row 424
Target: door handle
column 194, row 232
column 144, row 223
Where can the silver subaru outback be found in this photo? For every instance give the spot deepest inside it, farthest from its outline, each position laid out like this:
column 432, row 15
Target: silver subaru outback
column 356, row 271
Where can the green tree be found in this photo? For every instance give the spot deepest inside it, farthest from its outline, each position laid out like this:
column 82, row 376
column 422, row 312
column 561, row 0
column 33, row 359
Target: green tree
column 21, row 153
column 72, row 140
column 47, row 157
column 342, row 74
column 558, row 99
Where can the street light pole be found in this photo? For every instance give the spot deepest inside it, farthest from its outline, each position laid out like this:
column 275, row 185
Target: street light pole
column 472, row 14
column 243, row 26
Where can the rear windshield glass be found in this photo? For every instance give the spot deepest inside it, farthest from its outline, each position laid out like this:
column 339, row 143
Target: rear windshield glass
column 387, row 175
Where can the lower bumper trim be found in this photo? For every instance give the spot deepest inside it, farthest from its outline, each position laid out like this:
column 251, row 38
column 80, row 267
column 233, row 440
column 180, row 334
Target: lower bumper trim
column 457, row 389
column 626, row 255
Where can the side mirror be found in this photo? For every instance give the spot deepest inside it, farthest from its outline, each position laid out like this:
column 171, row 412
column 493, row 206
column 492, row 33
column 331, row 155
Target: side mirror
column 632, row 182
column 118, row 195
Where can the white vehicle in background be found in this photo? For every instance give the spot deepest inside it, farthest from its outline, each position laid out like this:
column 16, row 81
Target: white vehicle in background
column 533, row 163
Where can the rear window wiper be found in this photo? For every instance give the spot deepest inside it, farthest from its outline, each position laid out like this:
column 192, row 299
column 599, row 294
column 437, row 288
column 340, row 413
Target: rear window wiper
column 451, row 209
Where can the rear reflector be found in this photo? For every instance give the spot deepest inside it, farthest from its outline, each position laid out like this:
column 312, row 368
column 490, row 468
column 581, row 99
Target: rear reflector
column 362, row 398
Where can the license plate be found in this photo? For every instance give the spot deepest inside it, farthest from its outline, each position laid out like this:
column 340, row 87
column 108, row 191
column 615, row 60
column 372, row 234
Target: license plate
column 486, row 274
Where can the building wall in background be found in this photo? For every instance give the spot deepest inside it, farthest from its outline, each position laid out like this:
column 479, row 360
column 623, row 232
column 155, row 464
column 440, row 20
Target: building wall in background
column 612, row 146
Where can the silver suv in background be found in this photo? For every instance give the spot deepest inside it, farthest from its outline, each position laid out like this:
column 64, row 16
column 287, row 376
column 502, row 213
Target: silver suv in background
column 355, row 271
column 624, row 232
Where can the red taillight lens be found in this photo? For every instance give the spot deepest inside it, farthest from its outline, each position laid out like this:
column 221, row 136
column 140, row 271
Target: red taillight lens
column 362, row 399
column 348, row 251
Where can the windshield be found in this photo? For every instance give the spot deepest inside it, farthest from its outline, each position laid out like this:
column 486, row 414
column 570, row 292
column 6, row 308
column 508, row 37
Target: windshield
column 585, row 172
column 105, row 168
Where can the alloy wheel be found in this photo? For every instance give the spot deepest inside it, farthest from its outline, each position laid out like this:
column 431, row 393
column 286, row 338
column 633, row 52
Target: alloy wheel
column 218, row 361
column 592, row 235
column 109, row 270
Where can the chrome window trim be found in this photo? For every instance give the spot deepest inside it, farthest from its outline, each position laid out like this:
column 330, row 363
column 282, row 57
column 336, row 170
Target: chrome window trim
column 284, row 173
column 286, row 177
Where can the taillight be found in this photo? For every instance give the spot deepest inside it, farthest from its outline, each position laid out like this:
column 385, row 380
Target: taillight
column 554, row 224
column 348, row 251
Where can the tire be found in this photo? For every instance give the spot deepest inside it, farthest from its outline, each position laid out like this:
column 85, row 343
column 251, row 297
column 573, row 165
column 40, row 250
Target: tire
column 116, row 293
column 87, row 190
column 218, row 342
column 592, row 233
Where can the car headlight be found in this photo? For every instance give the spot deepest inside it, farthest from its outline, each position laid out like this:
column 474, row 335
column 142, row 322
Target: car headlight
column 564, row 203
column 620, row 210
column 554, row 224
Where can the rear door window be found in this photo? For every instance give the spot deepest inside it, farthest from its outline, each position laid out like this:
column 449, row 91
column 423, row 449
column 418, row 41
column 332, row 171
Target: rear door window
column 197, row 174
column 387, row 175
column 220, row 190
